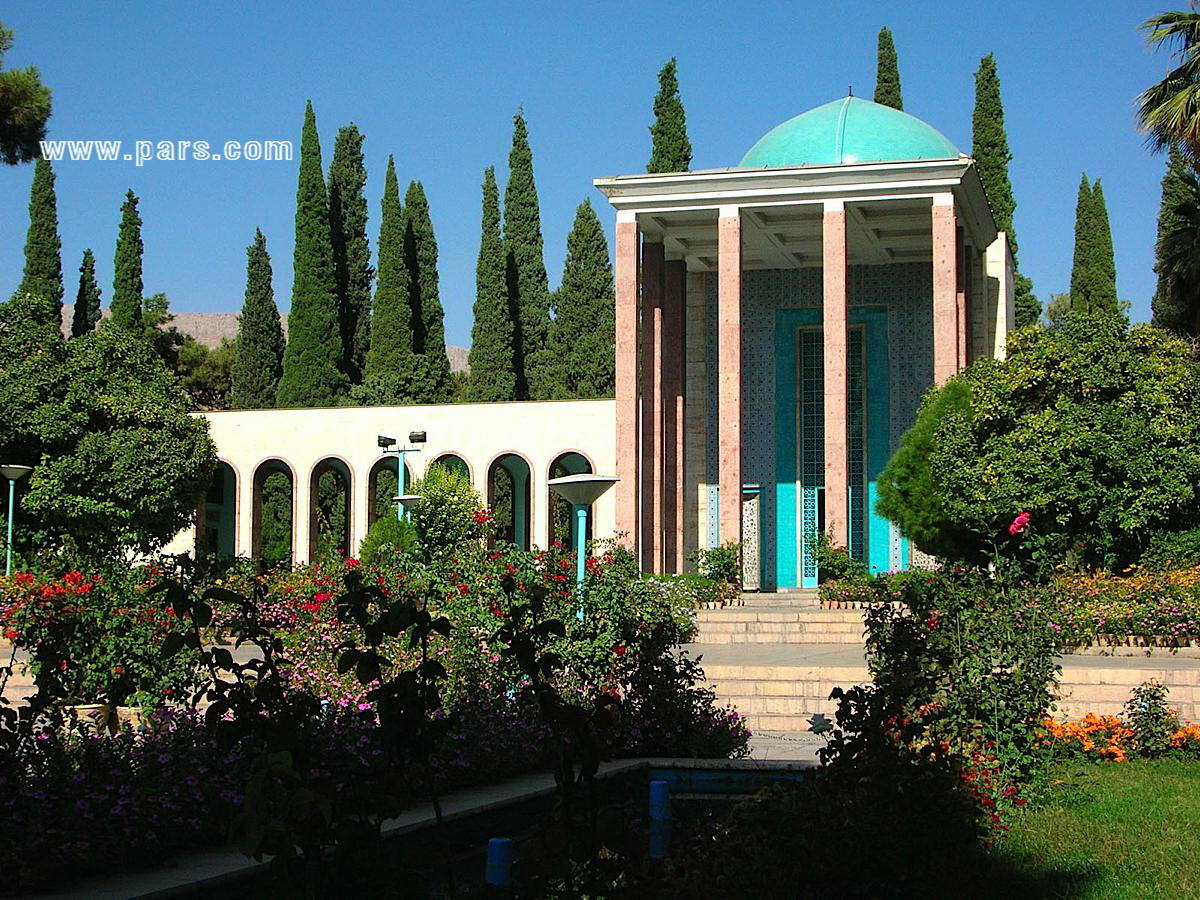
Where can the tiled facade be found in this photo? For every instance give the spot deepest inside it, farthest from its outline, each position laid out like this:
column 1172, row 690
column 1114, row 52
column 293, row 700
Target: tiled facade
column 903, row 289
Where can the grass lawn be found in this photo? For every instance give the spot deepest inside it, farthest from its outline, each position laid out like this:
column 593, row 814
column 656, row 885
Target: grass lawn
column 1113, row 830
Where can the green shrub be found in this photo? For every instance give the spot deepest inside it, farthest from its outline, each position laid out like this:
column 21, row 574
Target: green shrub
column 95, row 636
column 1153, row 722
column 722, row 563
column 386, row 538
column 1092, row 428
column 962, row 670
column 836, row 564
column 1173, row 550
column 450, row 513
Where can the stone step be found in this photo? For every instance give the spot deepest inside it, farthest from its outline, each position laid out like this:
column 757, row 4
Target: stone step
column 711, row 627
column 796, row 598
column 788, row 637
column 781, row 722
column 781, row 614
column 733, row 688
column 782, row 697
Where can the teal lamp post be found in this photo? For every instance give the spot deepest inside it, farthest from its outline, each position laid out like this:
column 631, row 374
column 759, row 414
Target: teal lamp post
column 581, row 491
column 386, row 443
column 14, row 474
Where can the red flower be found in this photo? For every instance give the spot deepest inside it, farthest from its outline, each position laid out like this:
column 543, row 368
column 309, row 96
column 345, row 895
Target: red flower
column 351, row 563
column 463, row 590
column 1019, row 524
column 482, row 516
column 498, row 612
column 619, row 649
column 118, row 670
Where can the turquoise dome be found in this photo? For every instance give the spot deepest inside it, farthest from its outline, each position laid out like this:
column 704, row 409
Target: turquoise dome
column 848, row 131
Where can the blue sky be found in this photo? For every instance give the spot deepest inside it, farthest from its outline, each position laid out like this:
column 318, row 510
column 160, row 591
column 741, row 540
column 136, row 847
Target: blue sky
column 437, row 85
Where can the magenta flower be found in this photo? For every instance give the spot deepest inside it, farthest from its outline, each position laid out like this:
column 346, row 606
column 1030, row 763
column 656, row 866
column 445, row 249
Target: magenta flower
column 1019, row 524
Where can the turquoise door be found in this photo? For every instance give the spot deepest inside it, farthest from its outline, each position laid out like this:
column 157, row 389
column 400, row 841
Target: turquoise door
column 800, row 441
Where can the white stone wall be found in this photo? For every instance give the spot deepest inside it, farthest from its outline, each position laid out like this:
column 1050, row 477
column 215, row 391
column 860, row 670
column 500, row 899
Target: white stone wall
column 477, row 432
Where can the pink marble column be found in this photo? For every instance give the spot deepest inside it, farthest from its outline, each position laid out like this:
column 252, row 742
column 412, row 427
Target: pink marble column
column 652, row 405
column 729, row 375
column 672, row 391
column 833, row 326
column 627, row 277
column 945, row 294
column 962, row 269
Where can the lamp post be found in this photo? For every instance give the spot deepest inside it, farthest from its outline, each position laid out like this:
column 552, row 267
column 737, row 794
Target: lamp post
column 13, row 473
column 581, row 491
column 386, row 443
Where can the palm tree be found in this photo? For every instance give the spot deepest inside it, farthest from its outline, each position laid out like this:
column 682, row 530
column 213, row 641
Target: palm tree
column 1170, row 111
column 1177, row 300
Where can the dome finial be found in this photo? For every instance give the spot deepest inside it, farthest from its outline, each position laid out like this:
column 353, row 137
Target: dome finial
column 850, row 91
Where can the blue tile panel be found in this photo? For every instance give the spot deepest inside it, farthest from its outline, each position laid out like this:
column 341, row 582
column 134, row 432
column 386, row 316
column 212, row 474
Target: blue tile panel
column 901, row 297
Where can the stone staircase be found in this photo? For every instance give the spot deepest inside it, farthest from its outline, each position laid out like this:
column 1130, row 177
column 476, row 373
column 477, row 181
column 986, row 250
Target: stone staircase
column 777, row 658
column 791, row 618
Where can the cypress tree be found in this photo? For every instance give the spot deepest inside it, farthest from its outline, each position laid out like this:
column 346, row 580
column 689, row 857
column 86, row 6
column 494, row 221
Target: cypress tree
column 1173, row 307
column 312, row 373
column 1093, row 272
column 1081, row 259
column 126, row 306
column 585, row 323
column 43, row 260
column 389, row 360
column 87, row 302
column 887, row 72
column 493, row 374
column 258, row 351
column 989, row 147
column 671, row 151
column 432, row 383
column 528, row 288
column 1105, row 291
column 351, row 251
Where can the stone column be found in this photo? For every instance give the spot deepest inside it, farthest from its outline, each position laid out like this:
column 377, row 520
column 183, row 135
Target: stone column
column 652, row 405
column 833, row 325
column 962, row 268
column 673, row 337
column 695, row 427
column 244, row 545
column 627, row 277
column 945, row 289
column 729, row 371
column 302, row 513
column 360, row 505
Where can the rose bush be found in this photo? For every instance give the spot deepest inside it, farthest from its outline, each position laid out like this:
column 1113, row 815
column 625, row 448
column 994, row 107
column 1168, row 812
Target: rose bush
column 94, row 638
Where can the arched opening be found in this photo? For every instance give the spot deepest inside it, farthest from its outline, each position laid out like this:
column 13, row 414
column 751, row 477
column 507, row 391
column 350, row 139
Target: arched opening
column 562, row 516
column 456, row 463
column 382, row 488
column 508, row 499
column 273, row 508
column 216, row 528
column 329, row 509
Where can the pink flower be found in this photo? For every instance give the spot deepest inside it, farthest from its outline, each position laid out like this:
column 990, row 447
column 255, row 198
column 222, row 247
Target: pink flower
column 1019, row 524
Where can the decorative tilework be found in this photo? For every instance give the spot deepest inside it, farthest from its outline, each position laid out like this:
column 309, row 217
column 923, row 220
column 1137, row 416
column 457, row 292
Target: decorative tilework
column 811, row 437
column 904, row 289
column 856, row 408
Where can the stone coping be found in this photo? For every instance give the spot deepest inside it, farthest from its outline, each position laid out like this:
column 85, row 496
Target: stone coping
column 204, row 872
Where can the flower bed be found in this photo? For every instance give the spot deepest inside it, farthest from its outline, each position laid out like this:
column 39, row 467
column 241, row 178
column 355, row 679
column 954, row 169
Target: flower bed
column 1145, row 609
column 1157, row 608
